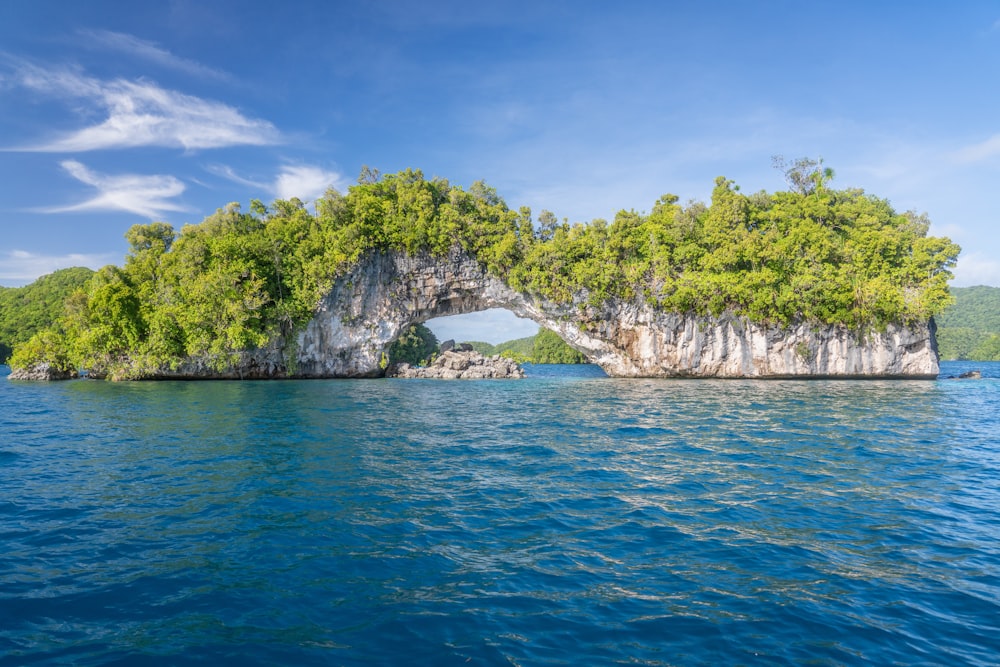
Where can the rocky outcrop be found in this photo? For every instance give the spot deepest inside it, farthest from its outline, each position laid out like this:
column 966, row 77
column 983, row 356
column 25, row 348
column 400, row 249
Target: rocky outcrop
column 41, row 372
column 370, row 306
column 460, row 365
column 638, row 341
column 367, row 309
column 262, row 364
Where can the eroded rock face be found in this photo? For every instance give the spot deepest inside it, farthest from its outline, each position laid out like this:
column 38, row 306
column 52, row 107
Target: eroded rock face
column 367, row 309
column 637, row 341
column 460, row 365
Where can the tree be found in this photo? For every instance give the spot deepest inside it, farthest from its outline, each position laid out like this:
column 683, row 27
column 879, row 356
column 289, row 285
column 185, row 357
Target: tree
column 803, row 175
column 547, row 224
column 156, row 236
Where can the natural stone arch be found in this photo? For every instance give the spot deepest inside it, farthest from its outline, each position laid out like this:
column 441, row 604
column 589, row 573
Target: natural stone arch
column 371, row 305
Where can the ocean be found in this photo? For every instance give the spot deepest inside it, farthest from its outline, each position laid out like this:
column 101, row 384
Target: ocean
column 563, row 519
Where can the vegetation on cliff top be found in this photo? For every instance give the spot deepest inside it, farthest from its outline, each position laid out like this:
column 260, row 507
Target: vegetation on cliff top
column 242, row 278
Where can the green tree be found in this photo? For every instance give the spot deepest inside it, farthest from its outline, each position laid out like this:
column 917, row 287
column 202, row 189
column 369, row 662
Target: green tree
column 547, row 224
column 44, row 347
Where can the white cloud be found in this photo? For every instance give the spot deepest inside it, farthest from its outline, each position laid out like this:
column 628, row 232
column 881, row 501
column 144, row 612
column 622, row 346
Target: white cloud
column 306, row 182
column 984, row 150
column 140, row 113
column 975, row 268
column 147, row 196
column 19, row 267
column 117, row 41
column 230, row 174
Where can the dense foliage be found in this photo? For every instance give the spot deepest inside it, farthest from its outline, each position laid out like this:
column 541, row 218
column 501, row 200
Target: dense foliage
column 27, row 310
column 823, row 255
column 240, row 279
column 970, row 328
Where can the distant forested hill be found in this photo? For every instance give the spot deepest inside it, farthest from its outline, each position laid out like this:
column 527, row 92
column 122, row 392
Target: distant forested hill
column 26, row 310
column 519, row 348
column 545, row 347
column 970, row 328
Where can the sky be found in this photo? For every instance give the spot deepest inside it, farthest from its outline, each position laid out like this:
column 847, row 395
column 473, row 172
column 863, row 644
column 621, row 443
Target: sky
column 117, row 113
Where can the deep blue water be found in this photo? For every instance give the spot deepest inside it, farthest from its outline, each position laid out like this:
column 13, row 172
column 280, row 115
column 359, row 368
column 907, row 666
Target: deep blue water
column 565, row 519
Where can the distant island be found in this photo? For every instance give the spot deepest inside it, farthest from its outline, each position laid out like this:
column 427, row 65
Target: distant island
column 418, row 346
column 811, row 281
column 970, row 327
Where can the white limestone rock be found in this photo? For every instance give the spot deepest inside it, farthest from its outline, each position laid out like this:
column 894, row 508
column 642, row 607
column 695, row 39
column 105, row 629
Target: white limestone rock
column 460, row 365
column 42, row 372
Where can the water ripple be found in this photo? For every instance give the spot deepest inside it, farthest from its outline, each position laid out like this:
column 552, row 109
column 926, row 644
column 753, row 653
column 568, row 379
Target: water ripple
column 556, row 520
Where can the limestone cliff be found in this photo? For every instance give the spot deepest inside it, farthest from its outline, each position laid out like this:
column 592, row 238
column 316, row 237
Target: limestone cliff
column 369, row 307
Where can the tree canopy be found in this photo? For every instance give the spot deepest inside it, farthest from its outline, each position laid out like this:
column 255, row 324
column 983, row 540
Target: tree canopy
column 240, row 279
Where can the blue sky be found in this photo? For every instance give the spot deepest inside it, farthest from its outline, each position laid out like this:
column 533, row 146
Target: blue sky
column 115, row 113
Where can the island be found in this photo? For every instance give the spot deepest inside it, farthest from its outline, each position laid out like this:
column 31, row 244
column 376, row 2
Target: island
column 807, row 282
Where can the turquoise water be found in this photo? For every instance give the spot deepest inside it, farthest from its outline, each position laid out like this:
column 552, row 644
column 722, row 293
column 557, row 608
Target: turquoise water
column 565, row 519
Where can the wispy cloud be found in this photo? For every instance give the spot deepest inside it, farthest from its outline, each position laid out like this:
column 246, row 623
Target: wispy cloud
column 148, row 196
column 984, row 150
column 306, row 182
column 140, row 113
column 19, row 267
column 150, row 51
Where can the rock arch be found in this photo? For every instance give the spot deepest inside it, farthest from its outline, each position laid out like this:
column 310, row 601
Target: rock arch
column 368, row 308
